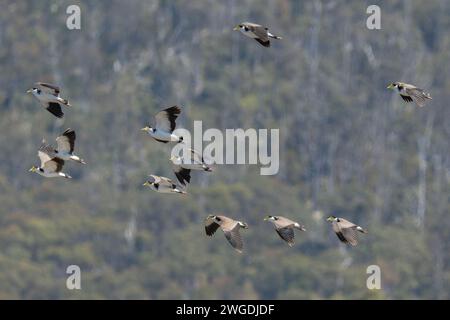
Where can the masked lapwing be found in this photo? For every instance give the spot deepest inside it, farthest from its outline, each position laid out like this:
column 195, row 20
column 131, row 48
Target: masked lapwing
column 66, row 145
column 229, row 227
column 48, row 96
column 345, row 230
column 165, row 124
column 257, row 32
column 285, row 228
column 50, row 166
column 163, row 185
column 410, row 93
column 182, row 166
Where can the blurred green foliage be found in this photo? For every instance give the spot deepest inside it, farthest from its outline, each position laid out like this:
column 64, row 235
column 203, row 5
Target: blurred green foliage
column 348, row 147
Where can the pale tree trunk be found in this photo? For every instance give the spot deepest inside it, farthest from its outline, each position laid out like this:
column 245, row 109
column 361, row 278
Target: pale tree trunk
column 312, row 99
column 423, row 146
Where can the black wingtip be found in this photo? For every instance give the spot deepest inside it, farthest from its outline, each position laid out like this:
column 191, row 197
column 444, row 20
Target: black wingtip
column 263, row 43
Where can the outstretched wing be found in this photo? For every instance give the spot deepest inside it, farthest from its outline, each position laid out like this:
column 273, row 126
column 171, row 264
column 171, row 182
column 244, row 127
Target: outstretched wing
column 55, row 109
column 165, row 119
column 418, row 96
column 406, row 98
column 346, row 231
column 66, row 141
column 350, row 235
column 46, row 86
column 265, row 43
column 287, row 234
column 211, row 226
column 54, row 165
column 196, row 157
column 234, row 238
column 45, row 153
column 183, row 175
column 260, row 32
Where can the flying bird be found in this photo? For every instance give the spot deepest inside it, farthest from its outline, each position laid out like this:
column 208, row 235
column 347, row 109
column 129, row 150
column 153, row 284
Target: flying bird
column 50, row 166
column 229, row 227
column 182, row 166
column 257, row 32
column 285, row 228
column 345, row 230
column 66, row 145
column 48, row 96
column 162, row 185
column 165, row 125
column 410, row 93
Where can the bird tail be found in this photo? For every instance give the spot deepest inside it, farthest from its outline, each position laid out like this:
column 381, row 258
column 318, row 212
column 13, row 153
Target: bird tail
column 301, row 228
column 65, row 102
column 78, row 159
column 67, row 176
column 361, row 229
column 274, row 36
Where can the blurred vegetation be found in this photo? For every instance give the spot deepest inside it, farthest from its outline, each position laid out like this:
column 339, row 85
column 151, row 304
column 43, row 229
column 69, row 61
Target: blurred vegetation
column 349, row 147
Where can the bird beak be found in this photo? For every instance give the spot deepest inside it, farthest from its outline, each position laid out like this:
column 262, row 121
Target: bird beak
column 146, row 183
column 266, row 218
column 145, row 129
column 32, row 169
column 29, row 91
column 171, row 158
column 236, row 28
column 390, row 86
column 329, row 219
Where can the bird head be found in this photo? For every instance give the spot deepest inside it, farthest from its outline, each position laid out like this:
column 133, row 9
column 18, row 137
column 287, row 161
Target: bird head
column 33, row 169
column 331, row 218
column 147, row 129
column 211, row 217
column 243, row 225
column 34, row 91
column 393, row 85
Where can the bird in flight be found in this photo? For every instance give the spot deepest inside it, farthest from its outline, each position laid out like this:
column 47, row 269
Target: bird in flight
column 66, row 145
column 229, row 227
column 50, row 166
column 410, row 93
column 48, row 96
column 182, row 166
column 285, row 228
column 345, row 230
column 257, row 32
column 164, row 125
column 162, row 185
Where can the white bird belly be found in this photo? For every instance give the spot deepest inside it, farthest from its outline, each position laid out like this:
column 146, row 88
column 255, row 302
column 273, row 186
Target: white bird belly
column 193, row 166
column 249, row 34
column 164, row 136
column 46, row 97
column 49, row 174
